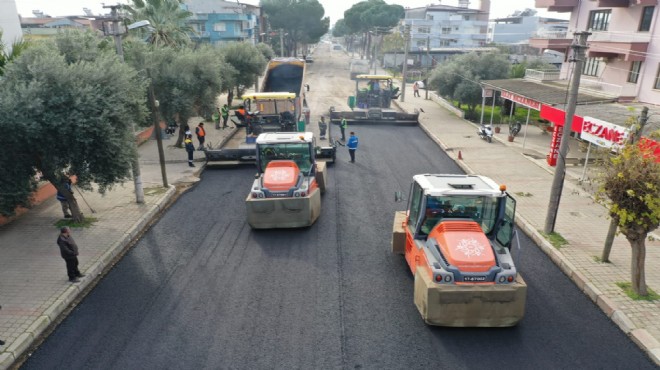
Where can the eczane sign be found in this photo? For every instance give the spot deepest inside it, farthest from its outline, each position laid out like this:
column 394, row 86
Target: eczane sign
column 603, row 134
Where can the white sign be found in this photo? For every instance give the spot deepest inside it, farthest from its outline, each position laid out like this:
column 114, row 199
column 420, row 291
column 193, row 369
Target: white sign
column 487, row 93
column 604, row 134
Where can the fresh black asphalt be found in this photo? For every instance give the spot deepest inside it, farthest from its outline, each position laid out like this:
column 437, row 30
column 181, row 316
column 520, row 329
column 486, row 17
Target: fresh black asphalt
column 201, row 290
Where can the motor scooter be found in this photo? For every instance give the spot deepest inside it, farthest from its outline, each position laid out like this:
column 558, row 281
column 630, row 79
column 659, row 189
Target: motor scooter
column 486, row 132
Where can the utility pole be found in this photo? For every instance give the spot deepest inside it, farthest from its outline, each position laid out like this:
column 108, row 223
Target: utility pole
column 159, row 139
column 406, row 37
column 281, row 42
column 634, row 134
column 579, row 47
column 116, row 33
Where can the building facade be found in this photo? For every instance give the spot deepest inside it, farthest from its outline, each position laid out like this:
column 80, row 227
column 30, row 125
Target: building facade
column 443, row 26
column 623, row 55
column 218, row 22
column 518, row 28
column 9, row 23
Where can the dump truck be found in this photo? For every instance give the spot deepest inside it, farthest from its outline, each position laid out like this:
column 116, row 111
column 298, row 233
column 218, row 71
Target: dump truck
column 372, row 103
column 286, row 192
column 279, row 107
column 456, row 236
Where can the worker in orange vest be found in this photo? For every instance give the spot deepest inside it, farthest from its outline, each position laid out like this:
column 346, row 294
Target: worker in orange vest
column 201, row 135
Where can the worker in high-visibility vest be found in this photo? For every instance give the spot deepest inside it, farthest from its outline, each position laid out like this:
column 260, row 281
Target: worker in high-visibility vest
column 201, row 135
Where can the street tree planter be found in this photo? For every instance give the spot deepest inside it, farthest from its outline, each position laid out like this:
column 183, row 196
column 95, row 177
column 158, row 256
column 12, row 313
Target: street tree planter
column 510, row 138
column 498, row 129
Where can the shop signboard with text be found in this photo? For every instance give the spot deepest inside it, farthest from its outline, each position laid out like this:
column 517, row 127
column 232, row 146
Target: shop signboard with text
column 603, row 133
column 554, row 147
column 529, row 103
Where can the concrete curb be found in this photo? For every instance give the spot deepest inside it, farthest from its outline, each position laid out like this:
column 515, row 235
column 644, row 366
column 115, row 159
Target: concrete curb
column 641, row 337
column 18, row 347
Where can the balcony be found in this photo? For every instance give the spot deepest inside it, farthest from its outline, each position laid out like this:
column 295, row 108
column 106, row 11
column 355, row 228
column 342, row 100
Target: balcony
column 541, row 75
column 630, row 47
column 624, row 3
column 557, row 5
column 546, row 40
column 606, row 89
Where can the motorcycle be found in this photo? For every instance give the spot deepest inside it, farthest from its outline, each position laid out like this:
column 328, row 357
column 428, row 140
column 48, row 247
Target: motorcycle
column 514, row 128
column 486, row 132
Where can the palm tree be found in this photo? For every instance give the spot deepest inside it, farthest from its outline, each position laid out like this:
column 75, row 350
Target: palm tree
column 7, row 56
column 167, row 18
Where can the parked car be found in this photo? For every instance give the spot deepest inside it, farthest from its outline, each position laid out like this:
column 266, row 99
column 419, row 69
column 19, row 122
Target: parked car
column 309, row 59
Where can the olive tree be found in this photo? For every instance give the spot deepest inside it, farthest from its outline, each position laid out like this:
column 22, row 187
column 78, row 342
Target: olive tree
column 66, row 118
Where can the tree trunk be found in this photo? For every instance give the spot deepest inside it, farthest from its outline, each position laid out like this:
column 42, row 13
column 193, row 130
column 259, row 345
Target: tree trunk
column 76, row 214
column 638, row 246
column 230, row 97
column 609, row 240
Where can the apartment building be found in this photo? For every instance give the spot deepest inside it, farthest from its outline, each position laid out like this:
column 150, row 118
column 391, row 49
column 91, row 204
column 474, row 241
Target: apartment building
column 218, row 22
column 623, row 58
column 519, row 27
column 444, row 26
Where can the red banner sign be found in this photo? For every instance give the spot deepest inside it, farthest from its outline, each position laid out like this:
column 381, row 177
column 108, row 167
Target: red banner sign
column 529, row 103
column 554, row 146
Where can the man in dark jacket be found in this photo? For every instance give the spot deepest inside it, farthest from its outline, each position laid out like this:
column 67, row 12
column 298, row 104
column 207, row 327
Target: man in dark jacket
column 69, row 251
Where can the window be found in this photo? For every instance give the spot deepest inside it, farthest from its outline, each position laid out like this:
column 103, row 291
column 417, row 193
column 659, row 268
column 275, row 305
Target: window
column 633, row 73
column 647, row 17
column 446, row 30
column 656, row 85
column 424, row 30
column 599, row 20
column 591, row 67
column 220, row 27
column 415, row 202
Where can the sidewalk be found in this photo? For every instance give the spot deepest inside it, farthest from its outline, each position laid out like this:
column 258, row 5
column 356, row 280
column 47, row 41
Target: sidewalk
column 581, row 221
column 34, row 288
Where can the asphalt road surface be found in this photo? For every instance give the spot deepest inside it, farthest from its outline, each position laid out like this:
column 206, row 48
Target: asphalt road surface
column 202, row 290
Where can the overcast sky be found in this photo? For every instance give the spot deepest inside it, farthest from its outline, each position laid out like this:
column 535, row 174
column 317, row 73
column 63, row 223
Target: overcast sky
column 333, row 8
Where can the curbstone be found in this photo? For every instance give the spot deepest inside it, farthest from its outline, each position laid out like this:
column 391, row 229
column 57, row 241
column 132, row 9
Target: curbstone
column 20, row 345
column 6, row 360
column 96, row 268
column 580, row 280
column 607, row 305
column 591, row 290
column 645, row 340
column 654, row 354
column 55, row 309
column 567, row 267
column 70, row 294
column 38, row 326
column 624, row 323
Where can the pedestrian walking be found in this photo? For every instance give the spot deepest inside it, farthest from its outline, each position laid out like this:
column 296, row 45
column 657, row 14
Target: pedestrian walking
column 201, row 135
column 352, row 145
column 416, row 89
column 64, row 202
column 216, row 118
column 323, row 127
column 69, row 251
column 190, row 148
column 342, row 127
column 225, row 115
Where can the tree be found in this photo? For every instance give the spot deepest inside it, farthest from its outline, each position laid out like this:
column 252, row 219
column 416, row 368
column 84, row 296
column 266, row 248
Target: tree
column 66, row 119
column 168, row 21
column 459, row 78
column 266, row 51
column 186, row 81
column 630, row 189
column 367, row 15
column 301, row 20
column 518, row 70
column 340, row 29
column 247, row 62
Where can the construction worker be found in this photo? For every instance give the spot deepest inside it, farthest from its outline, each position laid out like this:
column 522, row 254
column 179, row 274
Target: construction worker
column 352, row 145
column 322, row 127
column 201, row 135
column 190, row 148
column 66, row 208
column 342, row 127
column 225, row 116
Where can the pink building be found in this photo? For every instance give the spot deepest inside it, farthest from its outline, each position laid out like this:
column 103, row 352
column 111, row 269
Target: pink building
column 624, row 46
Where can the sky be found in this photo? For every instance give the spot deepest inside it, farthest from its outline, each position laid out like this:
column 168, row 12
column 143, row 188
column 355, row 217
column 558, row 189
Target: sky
column 333, row 8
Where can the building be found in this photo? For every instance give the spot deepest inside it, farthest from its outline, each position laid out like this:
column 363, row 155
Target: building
column 444, row 26
column 218, row 22
column 9, row 23
column 43, row 26
column 521, row 25
column 623, row 58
